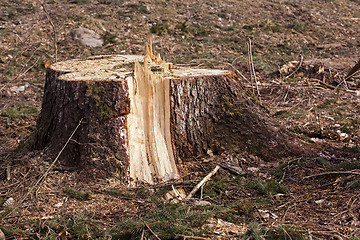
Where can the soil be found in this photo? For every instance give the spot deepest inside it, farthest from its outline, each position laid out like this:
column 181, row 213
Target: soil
column 308, row 97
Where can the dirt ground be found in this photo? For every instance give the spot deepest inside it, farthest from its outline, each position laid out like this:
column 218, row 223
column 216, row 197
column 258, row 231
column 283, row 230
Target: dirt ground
column 301, row 50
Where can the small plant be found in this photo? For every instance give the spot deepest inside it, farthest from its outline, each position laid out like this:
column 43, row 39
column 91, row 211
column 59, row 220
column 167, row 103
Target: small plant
column 159, row 28
column 193, row 29
column 280, row 170
column 215, row 188
column 344, row 166
column 108, row 2
column 282, row 232
column 327, row 104
column 80, row 1
column 109, row 38
column 267, row 188
column 140, row 8
column 298, row 25
column 79, row 195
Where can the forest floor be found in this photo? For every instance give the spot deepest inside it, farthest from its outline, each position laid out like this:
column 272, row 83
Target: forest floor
column 301, row 50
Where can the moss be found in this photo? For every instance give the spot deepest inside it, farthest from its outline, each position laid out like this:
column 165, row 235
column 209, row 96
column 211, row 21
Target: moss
column 232, row 110
column 105, row 109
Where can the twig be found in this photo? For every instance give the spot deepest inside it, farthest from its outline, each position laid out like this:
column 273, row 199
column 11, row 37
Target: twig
column 156, row 236
column 253, row 70
column 329, row 173
column 52, row 26
column 37, row 184
column 354, row 69
column 202, row 182
column 238, row 72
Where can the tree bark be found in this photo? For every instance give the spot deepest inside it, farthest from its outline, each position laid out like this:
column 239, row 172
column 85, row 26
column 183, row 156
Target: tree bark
column 139, row 118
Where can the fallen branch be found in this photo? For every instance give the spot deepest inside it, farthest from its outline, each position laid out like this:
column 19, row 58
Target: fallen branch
column 330, row 173
column 202, row 182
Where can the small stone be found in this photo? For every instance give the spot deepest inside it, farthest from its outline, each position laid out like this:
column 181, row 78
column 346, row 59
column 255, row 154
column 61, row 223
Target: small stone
column 8, row 203
column 253, row 169
column 319, row 201
column 2, row 235
column 87, row 37
column 202, row 203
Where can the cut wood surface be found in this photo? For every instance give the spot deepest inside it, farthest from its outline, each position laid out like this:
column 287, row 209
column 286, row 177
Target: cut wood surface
column 141, row 114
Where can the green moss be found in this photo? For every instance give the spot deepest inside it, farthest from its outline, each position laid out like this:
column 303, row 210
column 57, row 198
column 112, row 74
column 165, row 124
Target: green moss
column 105, row 109
column 232, row 110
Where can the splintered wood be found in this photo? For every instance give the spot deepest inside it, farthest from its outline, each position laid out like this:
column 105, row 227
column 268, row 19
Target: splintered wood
column 151, row 150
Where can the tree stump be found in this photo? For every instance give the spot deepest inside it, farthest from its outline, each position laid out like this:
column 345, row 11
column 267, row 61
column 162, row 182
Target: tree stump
column 140, row 115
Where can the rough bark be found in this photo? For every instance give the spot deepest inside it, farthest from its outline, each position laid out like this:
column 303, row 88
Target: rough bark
column 137, row 120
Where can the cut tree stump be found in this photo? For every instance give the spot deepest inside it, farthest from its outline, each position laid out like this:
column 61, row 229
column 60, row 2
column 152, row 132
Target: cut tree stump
column 141, row 114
